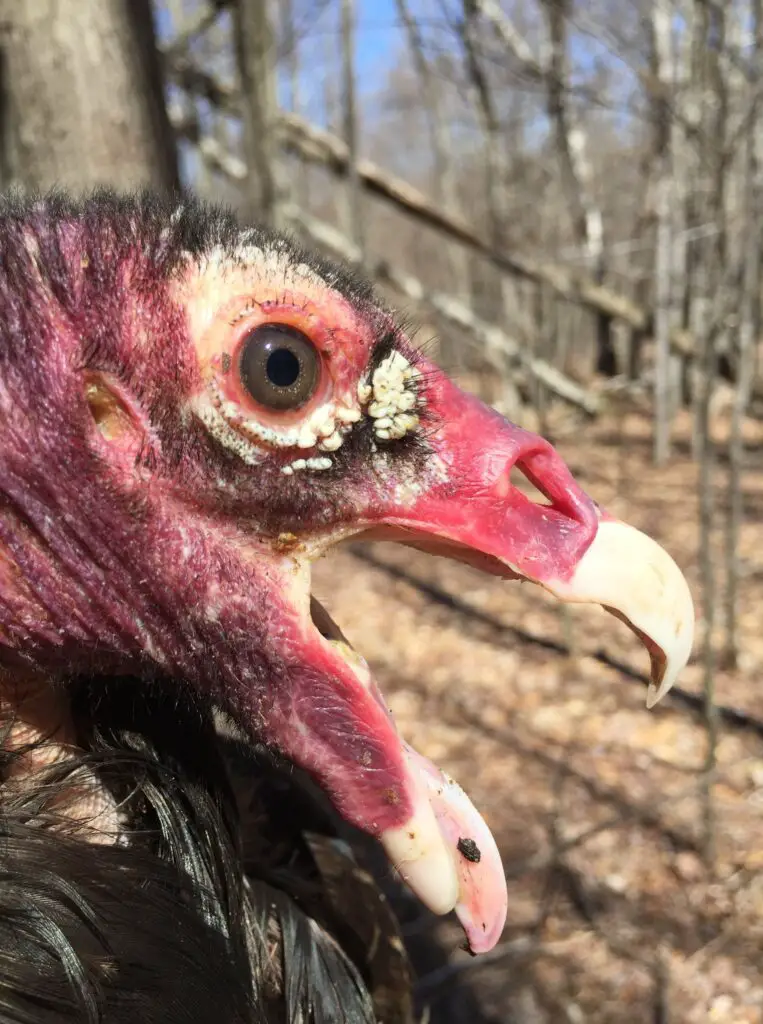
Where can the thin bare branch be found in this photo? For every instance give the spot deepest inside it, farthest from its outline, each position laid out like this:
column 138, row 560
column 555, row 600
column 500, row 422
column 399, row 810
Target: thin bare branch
column 350, row 120
column 749, row 332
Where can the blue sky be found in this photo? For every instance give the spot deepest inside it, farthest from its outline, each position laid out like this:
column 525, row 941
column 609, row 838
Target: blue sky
column 378, row 37
column 376, row 42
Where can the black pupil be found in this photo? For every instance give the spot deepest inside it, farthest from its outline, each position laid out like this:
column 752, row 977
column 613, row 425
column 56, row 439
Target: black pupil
column 282, row 368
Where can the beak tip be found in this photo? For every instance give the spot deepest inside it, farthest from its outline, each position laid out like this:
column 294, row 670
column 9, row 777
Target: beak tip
column 661, row 687
column 631, row 576
column 653, row 696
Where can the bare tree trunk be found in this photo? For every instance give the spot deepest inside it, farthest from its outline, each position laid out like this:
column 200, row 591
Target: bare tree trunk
column 570, row 138
column 708, row 580
column 445, row 191
column 749, row 333
column 255, row 46
column 576, row 170
column 506, row 395
column 445, row 186
column 710, row 40
column 291, row 44
column 81, row 96
column 661, row 26
column 354, row 184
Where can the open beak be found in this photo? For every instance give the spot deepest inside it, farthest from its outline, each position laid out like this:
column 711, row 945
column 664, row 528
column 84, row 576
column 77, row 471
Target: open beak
column 462, row 503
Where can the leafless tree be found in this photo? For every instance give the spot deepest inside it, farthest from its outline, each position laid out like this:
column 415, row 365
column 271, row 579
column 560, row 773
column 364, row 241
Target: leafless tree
column 749, row 326
column 350, row 122
column 666, row 139
column 256, row 56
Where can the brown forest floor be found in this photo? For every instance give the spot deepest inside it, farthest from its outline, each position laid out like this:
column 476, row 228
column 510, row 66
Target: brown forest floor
column 593, row 800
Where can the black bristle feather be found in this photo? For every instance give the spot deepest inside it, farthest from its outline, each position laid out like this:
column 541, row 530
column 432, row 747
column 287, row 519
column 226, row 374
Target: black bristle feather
column 165, row 926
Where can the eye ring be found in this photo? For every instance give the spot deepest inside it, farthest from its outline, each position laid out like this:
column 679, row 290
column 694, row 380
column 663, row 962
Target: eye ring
column 279, row 366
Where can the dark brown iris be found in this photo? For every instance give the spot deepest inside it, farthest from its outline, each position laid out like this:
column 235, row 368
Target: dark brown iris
column 279, row 366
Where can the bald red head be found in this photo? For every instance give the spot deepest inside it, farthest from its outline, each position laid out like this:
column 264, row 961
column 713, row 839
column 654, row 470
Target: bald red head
column 190, row 414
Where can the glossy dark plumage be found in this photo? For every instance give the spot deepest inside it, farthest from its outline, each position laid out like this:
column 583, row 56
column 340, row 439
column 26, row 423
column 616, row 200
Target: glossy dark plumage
column 212, row 906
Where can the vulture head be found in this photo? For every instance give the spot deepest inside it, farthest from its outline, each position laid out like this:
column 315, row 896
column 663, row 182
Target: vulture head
column 191, row 414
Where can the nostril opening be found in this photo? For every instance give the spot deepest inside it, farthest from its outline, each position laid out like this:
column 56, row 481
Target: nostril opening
column 545, row 474
column 523, row 481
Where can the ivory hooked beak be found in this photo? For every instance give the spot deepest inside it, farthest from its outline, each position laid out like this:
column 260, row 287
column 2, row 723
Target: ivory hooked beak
column 635, row 579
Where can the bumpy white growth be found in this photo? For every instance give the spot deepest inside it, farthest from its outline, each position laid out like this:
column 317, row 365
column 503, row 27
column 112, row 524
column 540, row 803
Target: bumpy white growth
column 219, row 428
column 317, row 463
column 391, row 397
column 332, row 442
column 333, row 429
column 348, row 415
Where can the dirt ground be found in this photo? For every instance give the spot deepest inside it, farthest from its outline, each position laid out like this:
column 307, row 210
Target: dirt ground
column 595, row 801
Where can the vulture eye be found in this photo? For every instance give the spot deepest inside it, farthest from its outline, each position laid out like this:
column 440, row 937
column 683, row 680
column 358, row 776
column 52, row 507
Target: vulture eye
column 279, row 366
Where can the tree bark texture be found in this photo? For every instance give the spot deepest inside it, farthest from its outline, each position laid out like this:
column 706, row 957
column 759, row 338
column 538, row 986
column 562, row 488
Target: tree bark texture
column 81, row 98
column 255, row 53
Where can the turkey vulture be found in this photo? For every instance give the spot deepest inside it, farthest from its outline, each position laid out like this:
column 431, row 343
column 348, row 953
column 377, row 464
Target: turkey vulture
column 191, row 413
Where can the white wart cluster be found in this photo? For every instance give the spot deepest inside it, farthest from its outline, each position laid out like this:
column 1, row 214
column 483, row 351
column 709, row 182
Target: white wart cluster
column 322, row 462
column 326, row 430
column 391, row 397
